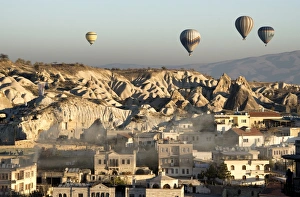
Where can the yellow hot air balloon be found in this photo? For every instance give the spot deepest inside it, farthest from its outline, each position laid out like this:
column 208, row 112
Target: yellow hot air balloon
column 244, row 25
column 91, row 37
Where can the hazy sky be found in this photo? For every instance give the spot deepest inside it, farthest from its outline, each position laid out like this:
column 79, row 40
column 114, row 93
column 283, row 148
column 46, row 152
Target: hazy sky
column 143, row 32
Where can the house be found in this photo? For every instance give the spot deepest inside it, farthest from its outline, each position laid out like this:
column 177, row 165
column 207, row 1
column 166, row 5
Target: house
column 243, row 137
column 226, row 121
column 161, row 185
column 113, row 163
column 147, row 138
column 74, row 175
column 175, row 158
column 17, row 175
column 200, row 140
column 124, row 140
column 83, row 189
column 275, row 152
column 248, row 172
column 264, row 119
column 243, row 164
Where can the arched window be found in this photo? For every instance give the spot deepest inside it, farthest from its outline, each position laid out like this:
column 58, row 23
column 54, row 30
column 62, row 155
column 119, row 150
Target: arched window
column 244, row 177
column 232, row 177
column 155, row 186
column 97, row 194
column 59, row 195
column 243, row 167
column 166, row 186
column 102, row 194
column 232, row 167
column 175, row 186
column 93, row 194
column 257, row 177
column 107, row 195
column 257, row 167
column 65, row 195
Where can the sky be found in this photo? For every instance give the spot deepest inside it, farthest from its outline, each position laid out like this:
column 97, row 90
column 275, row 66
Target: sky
column 143, row 32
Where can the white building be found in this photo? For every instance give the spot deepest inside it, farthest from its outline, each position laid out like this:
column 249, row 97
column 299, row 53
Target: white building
column 83, row 190
column 17, row 176
column 248, row 172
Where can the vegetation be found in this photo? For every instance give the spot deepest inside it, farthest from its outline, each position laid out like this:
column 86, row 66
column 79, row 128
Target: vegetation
column 3, row 57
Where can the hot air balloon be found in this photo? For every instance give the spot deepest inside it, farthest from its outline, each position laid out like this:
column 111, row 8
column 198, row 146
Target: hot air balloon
column 265, row 33
column 91, row 37
column 244, row 25
column 190, row 38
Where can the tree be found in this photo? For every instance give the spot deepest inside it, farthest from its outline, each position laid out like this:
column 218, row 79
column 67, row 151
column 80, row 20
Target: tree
column 3, row 57
column 222, row 172
column 20, row 61
column 211, row 172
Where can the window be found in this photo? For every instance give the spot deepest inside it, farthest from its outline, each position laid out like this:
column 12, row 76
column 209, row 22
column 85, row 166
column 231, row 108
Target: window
column 99, row 161
column 176, row 171
column 232, row 167
column 104, row 161
column 123, row 161
column 257, row 167
column 243, row 121
column 80, row 195
column 183, row 171
column 187, row 171
column 243, row 167
column 244, row 177
column 128, row 161
column 245, row 140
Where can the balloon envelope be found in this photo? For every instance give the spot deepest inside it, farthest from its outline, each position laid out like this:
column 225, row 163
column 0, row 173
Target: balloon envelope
column 190, row 38
column 244, row 25
column 266, row 33
column 91, row 37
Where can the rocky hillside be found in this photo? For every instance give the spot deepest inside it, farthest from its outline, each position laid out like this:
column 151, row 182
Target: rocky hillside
column 44, row 101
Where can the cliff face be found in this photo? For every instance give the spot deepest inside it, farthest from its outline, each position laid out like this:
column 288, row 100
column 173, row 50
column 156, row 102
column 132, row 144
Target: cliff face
column 52, row 100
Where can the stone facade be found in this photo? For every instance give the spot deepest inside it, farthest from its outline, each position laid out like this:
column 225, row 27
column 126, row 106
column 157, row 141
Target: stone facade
column 111, row 162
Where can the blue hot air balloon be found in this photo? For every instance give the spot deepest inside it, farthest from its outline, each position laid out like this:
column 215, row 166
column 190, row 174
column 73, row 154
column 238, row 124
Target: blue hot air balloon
column 266, row 33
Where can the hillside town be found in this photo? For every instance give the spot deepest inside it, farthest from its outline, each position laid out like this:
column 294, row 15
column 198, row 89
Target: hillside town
column 69, row 130
column 229, row 154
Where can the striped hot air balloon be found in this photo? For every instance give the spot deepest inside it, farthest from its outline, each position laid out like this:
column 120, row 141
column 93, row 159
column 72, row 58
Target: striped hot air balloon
column 91, row 37
column 190, row 38
column 244, row 25
column 266, row 33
